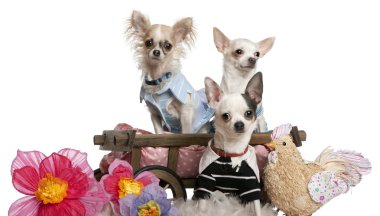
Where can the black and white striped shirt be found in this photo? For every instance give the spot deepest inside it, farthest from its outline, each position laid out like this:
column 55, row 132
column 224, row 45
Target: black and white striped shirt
column 239, row 181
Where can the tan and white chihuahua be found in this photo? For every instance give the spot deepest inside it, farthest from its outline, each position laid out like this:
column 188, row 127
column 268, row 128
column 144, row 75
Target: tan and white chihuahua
column 173, row 103
column 229, row 163
column 239, row 65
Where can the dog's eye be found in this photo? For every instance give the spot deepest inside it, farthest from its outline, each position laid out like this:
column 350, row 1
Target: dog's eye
column 257, row 54
column 226, row 116
column 248, row 114
column 168, row 46
column 149, row 43
column 239, row 51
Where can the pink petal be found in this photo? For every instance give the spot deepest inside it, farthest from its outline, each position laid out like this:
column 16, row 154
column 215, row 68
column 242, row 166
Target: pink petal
column 121, row 168
column 25, row 180
column 54, row 164
column 147, row 178
column 77, row 182
column 94, row 199
column 27, row 158
column 65, row 208
column 110, row 185
column 27, row 206
column 78, row 159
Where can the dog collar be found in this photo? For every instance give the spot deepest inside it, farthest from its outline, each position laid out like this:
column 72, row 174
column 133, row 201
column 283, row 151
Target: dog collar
column 222, row 153
column 167, row 75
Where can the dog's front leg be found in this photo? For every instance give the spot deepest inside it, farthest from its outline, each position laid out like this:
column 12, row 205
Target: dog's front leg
column 254, row 208
column 187, row 115
column 257, row 207
column 157, row 123
column 261, row 124
column 156, row 120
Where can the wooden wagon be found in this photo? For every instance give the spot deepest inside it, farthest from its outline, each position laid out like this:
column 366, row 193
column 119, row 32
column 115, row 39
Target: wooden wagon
column 130, row 141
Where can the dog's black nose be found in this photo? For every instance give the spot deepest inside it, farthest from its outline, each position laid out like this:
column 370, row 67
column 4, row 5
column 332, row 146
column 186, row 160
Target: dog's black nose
column 156, row 53
column 252, row 60
column 239, row 127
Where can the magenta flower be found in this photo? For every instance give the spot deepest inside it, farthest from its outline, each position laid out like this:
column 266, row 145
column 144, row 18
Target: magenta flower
column 121, row 182
column 152, row 202
column 61, row 184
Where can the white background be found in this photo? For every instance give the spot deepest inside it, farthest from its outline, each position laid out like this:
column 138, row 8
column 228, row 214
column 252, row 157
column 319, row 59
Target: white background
column 67, row 73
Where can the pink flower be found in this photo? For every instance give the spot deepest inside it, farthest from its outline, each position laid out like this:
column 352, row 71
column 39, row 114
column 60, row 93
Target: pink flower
column 61, row 184
column 121, row 182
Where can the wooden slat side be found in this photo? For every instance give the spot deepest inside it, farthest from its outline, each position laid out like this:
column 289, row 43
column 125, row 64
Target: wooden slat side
column 173, row 158
column 122, row 142
column 135, row 158
column 167, row 140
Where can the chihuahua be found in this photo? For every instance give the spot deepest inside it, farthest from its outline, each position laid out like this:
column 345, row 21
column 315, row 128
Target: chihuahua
column 239, row 64
column 173, row 103
column 229, row 162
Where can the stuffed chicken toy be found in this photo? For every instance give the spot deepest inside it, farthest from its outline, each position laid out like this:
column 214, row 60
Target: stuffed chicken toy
column 300, row 188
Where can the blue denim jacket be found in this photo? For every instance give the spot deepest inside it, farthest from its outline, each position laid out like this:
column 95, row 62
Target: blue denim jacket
column 178, row 87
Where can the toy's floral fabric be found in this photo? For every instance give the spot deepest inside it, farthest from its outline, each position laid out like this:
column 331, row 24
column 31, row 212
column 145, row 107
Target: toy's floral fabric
column 60, row 184
column 324, row 186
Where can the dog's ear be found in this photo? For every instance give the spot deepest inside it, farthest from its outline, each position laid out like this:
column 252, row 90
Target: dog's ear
column 254, row 89
column 213, row 92
column 138, row 24
column 220, row 40
column 265, row 45
column 183, row 30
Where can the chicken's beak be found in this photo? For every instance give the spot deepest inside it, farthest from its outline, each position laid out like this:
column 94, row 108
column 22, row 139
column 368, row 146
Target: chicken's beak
column 271, row 145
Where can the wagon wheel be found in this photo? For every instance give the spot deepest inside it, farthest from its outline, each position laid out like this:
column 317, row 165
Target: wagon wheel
column 98, row 174
column 168, row 178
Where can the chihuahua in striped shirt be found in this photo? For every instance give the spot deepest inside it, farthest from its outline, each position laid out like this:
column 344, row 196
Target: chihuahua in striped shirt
column 229, row 163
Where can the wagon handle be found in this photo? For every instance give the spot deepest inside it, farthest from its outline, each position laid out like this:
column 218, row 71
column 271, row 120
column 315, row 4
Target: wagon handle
column 116, row 140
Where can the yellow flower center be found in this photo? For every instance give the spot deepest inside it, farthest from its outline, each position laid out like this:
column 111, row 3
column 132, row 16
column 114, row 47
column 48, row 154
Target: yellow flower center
column 129, row 186
column 150, row 208
column 51, row 190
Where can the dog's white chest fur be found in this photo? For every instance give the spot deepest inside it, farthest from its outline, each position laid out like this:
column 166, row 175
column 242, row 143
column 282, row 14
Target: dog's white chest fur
column 235, row 81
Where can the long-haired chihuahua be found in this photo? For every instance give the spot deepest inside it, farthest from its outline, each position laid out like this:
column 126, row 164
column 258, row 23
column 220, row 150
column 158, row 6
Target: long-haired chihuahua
column 175, row 106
